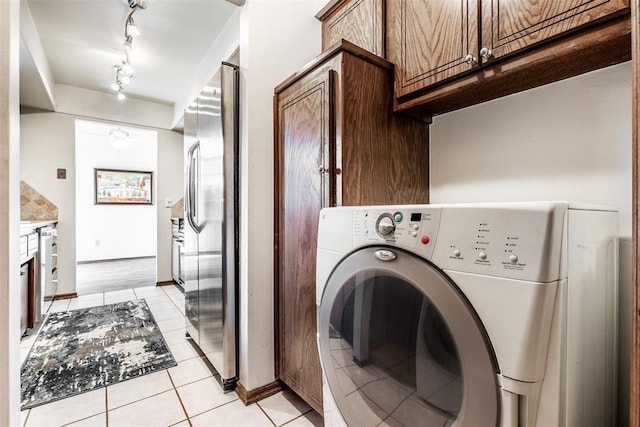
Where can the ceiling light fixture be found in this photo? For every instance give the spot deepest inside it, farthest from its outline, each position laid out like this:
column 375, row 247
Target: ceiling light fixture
column 124, row 71
column 118, row 133
column 119, row 138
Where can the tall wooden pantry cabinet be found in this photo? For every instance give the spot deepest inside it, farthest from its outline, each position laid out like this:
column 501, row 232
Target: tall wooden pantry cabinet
column 337, row 142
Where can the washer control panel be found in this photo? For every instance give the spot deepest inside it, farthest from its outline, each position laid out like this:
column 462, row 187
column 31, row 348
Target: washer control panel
column 507, row 242
column 412, row 229
column 521, row 242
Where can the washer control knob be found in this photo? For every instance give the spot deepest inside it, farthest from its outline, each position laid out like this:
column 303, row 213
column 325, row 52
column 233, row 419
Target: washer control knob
column 414, row 233
column 482, row 255
column 416, row 227
column 513, row 258
column 385, row 225
column 456, row 253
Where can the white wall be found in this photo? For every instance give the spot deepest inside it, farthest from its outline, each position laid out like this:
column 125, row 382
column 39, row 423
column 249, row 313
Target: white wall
column 113, row 231
column 570, row 140
column 47, row 142
column 221, row 50
column 277, row 37
column 169, row 186
column 85, row 103
column 9, row 213
column 31, row 51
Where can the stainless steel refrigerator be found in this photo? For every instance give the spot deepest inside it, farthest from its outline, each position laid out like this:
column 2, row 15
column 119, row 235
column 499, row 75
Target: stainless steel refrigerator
column 211, row 126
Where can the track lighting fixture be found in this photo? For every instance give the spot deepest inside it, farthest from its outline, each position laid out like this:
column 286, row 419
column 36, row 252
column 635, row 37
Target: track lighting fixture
column 132, row 28
column 124, row 71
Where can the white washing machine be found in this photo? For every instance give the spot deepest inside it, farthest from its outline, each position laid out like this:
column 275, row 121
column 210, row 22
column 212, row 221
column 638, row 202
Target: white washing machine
column 468, row 315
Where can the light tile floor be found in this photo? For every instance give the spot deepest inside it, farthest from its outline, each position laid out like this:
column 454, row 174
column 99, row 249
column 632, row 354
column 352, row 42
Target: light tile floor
column 185, row 395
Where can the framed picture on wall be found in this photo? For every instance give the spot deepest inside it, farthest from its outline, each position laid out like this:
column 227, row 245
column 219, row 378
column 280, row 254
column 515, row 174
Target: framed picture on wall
column 124, row 187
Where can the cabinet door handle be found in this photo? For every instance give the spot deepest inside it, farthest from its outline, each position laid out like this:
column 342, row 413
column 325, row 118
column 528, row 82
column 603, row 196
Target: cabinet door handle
column 470, row 59
column 486, row 53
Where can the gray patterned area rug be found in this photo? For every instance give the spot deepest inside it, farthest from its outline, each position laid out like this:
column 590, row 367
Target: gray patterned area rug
column 82, row 350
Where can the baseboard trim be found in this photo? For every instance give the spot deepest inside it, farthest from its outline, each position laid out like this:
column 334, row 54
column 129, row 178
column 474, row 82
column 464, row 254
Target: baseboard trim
column 97, row 261
column 166, row 283
column 252, row 396
column 65, row 296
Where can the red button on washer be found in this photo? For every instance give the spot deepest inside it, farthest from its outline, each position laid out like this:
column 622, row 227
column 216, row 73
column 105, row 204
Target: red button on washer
column 425, row 240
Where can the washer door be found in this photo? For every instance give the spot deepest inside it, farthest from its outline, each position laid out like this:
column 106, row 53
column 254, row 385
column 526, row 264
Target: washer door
column 399, row 343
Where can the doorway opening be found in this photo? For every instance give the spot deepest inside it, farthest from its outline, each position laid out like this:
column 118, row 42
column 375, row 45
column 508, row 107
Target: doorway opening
column 116, row 210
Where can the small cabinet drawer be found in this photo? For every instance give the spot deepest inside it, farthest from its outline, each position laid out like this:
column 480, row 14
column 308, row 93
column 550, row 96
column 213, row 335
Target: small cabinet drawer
column 24, row 245
column 32, row 244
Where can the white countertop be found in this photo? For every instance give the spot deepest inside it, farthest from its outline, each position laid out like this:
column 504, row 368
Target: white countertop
column 28, row 227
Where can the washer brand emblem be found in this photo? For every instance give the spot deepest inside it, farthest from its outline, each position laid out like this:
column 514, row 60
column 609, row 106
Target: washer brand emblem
column 385, row 255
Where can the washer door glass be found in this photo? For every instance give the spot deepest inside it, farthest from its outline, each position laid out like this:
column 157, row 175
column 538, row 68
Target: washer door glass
column 400, row 344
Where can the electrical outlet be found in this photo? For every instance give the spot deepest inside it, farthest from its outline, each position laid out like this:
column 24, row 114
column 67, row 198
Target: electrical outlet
column 62, row 174
column 168, row 202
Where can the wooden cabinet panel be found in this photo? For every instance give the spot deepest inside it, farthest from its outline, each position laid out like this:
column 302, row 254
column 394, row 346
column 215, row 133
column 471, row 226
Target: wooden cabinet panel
column 383, row 156
column 430, row 40
column 304, row 122
column 358, row 21
column 511, row 25
column 335, row 114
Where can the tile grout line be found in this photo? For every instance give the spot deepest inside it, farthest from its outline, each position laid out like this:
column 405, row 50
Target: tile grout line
column 26, row 419
column 142, row 398
column 106, row 406
column 265, row 413
column 171, row 299
column 184, row 409
column 215, row 407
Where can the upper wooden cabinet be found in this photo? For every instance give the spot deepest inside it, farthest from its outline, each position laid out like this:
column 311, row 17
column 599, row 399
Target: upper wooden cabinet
column 441, row 65
column 359, row 21
column 511, row 25
column 431, row 40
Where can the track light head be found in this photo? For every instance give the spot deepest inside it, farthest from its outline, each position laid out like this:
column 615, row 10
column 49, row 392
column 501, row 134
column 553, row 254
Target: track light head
column 132, row 28
column 136, row 4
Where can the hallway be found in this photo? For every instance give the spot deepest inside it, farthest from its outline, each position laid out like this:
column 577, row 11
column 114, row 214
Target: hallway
column 185, row 395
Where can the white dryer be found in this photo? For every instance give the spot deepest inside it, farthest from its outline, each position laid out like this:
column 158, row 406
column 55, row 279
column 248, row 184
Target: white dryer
column 468, row 315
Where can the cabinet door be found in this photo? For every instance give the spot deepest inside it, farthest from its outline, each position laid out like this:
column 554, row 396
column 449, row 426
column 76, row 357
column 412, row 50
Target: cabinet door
column 304, row 137
column 511, row 25
column 431, row 40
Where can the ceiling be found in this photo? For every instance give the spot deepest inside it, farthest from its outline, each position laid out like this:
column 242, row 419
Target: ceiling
column 82, row 41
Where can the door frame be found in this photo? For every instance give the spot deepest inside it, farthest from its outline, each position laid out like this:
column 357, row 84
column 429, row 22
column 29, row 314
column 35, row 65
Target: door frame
column 635, row 318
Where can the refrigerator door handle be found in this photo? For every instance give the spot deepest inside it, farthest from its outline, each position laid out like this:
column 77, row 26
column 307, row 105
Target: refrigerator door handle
column 191, row 194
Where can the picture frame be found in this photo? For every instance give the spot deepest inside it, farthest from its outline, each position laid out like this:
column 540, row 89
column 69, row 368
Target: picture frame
column 123, row 187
